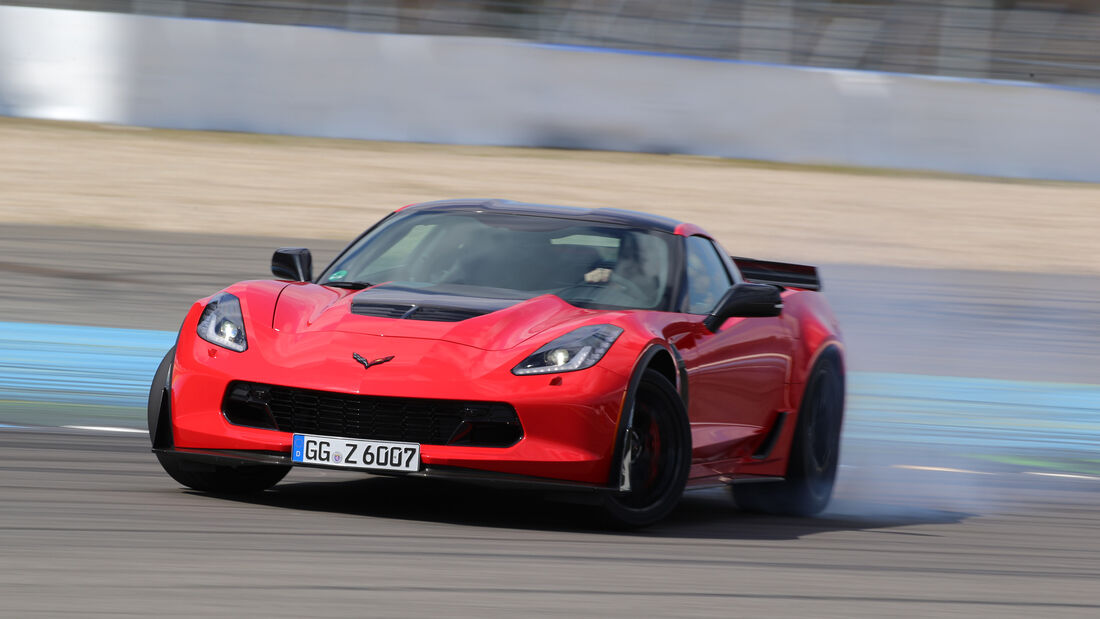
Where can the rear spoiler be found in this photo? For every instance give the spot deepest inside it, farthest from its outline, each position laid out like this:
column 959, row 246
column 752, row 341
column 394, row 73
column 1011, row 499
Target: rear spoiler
column 778, row 273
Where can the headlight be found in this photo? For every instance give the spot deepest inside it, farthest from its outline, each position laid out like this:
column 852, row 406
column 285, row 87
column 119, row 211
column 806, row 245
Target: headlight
column 576, row 350
column 221, row 322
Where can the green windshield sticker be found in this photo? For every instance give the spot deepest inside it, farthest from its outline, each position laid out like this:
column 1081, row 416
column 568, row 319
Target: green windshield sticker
column 337, row 275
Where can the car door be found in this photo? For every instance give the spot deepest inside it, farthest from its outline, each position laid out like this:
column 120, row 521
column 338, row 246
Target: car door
column 737, row 376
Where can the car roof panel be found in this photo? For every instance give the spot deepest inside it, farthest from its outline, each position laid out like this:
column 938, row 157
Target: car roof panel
column 600, row 215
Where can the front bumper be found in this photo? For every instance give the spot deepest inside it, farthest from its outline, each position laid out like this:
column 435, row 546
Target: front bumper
column 569, row 420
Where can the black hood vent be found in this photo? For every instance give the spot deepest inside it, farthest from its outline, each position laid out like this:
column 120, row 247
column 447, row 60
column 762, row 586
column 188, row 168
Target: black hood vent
column 381, row 310
column 437, row 304
column 414, row 312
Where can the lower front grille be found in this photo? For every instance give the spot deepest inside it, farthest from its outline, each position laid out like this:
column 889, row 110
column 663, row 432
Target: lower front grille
column 414, row 420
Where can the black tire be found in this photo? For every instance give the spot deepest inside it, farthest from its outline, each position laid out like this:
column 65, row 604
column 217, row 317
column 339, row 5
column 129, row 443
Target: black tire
column 815, row 449
column 218, row 479
column 658, row 446
column 160, row 436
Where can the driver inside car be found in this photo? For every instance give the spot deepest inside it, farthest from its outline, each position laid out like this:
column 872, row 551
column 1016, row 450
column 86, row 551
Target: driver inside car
column 629, row 267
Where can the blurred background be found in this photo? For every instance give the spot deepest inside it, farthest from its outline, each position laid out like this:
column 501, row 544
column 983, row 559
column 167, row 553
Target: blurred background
column 1046, row 41
column 936, row 159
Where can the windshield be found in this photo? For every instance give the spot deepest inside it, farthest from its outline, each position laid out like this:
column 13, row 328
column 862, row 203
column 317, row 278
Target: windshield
column 515, row 256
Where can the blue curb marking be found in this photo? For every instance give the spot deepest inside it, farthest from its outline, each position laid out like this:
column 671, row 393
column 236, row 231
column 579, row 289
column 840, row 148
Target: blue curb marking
column 946, row 410
column 113, row 367
column 79, row 365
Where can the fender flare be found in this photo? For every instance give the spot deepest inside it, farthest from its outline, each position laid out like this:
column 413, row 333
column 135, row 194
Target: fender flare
column 828, row 346
column 831, row 347
column 614, row 474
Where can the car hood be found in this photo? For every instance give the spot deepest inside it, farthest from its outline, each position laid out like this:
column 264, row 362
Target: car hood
column 488, row 319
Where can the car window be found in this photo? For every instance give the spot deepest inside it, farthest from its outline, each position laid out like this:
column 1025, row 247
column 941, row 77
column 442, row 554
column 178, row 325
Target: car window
column 588, row 264
column 399, row 253
column 707, row 278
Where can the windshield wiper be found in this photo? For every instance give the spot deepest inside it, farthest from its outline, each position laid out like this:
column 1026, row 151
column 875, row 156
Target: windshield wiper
column 351, row 285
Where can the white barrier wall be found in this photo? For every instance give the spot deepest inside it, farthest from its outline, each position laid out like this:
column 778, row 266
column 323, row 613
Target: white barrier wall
column 196, row 74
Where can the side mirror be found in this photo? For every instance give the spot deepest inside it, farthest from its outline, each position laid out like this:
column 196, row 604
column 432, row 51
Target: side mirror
column 293, row 263
column 745, row 301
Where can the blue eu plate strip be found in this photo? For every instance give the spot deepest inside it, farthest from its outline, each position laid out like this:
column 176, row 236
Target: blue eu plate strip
column 296, row 448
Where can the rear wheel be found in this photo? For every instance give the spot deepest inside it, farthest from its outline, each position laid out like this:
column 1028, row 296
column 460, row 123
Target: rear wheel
column 656, row 455
column 815, row 450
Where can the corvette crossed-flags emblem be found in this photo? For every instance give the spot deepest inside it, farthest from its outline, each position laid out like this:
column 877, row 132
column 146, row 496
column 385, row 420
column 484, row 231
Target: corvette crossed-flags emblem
column 367, row 364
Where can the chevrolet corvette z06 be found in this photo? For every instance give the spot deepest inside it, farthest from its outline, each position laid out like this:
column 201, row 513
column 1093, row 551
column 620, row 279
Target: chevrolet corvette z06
column 615, row 354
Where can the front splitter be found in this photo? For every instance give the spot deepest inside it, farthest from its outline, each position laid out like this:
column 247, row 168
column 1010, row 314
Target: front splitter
column 238, row 458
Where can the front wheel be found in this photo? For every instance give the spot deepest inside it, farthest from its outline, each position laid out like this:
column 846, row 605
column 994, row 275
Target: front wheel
column 187, row 471
column 815, row 450
column 655, row 455
column 160, row 427
column 222, row 479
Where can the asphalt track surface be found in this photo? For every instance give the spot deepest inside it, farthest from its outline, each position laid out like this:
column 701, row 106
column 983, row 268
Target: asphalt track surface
column 90, row 526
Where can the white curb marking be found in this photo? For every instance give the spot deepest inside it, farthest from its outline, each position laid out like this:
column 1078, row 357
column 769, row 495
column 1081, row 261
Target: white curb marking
column 939, row 469
column 1064, row 475
column 105, row 429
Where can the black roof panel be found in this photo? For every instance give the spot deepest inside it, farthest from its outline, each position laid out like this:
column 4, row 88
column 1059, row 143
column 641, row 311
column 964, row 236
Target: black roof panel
column 601, row 215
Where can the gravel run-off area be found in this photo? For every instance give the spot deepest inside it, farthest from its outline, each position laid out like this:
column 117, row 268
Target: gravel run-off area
column 261, row 185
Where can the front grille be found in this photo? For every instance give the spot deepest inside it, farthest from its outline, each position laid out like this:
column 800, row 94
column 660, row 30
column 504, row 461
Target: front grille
column 414, row 420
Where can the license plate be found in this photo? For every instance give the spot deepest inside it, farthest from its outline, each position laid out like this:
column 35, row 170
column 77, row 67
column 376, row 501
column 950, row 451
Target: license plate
column 354, row 453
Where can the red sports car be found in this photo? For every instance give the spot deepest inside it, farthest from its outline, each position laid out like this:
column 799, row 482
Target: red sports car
column 620, row 355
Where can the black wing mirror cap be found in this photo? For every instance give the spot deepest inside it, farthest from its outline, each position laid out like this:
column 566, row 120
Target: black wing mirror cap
column 745, row 300
column 293, row 263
